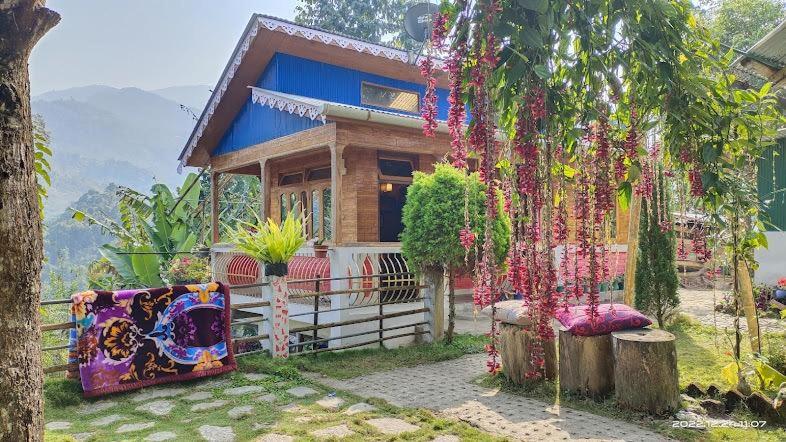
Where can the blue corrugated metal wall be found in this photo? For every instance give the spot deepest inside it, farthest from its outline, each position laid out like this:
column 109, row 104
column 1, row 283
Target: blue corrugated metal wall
column 299, row 76
column 772, row 185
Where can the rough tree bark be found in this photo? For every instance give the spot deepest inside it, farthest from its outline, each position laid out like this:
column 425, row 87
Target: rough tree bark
column 22, row 24
column 586, row 364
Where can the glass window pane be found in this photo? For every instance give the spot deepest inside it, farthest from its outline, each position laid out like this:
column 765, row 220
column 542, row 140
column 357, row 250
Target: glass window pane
column 304, row 216
column 283, row 204
column 293, row 205
column 392, row 98
column 327, row 225
column 293, row 178
column 315, row 213
column 319, row 174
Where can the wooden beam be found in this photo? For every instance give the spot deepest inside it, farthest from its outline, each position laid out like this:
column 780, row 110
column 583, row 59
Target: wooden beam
column 214, row 206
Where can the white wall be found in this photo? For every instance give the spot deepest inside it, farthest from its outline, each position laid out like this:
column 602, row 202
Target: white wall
column 772, row 260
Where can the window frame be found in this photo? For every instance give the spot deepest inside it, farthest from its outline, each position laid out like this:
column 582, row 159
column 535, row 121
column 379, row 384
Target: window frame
column 364, row 102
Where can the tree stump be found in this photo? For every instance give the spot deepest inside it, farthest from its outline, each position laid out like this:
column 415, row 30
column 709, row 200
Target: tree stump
column 515, row 351
column 586, row 364
column 645, row 370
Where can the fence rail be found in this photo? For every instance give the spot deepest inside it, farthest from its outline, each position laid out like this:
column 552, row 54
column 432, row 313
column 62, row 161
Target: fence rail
column 348, row 311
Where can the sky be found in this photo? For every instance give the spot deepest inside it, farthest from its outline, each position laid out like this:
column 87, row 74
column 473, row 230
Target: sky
column 149, row 44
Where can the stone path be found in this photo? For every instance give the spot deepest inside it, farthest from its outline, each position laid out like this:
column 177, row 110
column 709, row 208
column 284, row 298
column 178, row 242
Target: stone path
column 700, row 305
column 446, row 387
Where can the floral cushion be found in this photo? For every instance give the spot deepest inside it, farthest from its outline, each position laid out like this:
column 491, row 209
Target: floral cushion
column 611, row 318
column 509, row 312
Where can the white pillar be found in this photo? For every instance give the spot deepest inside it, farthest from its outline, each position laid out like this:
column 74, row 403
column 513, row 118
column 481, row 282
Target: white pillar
column 277, row 314
column 434, row 299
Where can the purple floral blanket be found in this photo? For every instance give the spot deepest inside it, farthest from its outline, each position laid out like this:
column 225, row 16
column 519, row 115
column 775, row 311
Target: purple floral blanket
column 131, row 339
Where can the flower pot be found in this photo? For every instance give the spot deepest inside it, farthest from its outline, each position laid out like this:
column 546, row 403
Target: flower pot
column 277, row 269
column 780, row 295
column 320, row 251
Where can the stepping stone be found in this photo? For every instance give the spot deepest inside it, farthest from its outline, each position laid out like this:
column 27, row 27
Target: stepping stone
column 446, row 438
column 130, row 428
column 241, row 411
column 390, row 425
column 331, row 403
column 208, row 405
column 157, row 408
column 273, row 437
column 304, row 419
column 95, row 407
column 217, row 434
column 216, row 383
column 82, row 437
column 199, row 396
column 161, row 436
column 157, row 393
column 240, row 391
column 337, row 431
column 256, row 376
column 270, row 397
column 301, row 391
column 107, row 420
column 260, row 426
column 294, row 408
column 58, row 425
column 360, row 407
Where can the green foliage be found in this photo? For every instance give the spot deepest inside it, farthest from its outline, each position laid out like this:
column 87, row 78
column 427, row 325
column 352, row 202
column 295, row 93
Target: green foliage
column 656, row 269
column 434, row 215
column 43, row 153
column 188, row 270
column 371, row 20
column 268, row 242
column 152, row 230
column 741, row 23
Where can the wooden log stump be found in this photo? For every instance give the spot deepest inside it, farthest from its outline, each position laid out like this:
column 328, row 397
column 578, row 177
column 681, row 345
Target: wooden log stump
column 515, row 351
column 645, row 370
column 586, row 364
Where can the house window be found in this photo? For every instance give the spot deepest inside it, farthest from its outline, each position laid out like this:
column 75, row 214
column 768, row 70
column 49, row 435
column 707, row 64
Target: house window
column 323, row 173
column 315, row 213
column 304, row 216
column 389, row 97
column 327, row 225
column 289, row 179
column 283, row 203
column 395, row 168
column 293, row 205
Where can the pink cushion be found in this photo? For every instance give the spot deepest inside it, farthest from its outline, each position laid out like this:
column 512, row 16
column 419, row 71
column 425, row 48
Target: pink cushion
column 621, row 317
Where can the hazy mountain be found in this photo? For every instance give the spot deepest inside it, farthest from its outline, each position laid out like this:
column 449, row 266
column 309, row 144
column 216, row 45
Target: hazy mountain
column 102, row 135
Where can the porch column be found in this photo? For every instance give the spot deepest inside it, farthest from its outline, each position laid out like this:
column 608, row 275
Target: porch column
column 214, row 205
column 336, row 171
column 263, row 189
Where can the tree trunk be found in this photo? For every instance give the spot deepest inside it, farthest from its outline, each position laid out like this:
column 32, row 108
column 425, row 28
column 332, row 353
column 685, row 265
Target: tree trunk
column 645, row 370
column 516, row 352
column 451, row 305
column 586, row 364
column 629, row 291
column 749, row 305
column 22, row 24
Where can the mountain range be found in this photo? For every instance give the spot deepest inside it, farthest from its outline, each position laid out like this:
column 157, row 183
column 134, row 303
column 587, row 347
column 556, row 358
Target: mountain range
column 103, row 137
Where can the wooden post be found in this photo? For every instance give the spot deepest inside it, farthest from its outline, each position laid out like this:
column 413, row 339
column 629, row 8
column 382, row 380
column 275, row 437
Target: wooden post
column 645, row 370
column 748, row 305
column 214, row 209
column 515, row 352
column 633, row 250
column 586, row 364
column 434, row 300
column 276, row 314
column 336, row 171
column 264, row 190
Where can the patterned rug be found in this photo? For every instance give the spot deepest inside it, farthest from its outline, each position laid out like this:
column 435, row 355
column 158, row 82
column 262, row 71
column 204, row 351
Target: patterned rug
column 131, row 339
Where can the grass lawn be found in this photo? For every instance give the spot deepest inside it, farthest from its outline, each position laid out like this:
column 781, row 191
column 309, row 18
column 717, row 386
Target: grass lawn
column 63, row 402
column 701, row 353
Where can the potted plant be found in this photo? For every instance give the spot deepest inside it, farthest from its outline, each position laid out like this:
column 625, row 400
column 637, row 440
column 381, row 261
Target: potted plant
column 320, row 249
column 780, row 290
column 270, row 243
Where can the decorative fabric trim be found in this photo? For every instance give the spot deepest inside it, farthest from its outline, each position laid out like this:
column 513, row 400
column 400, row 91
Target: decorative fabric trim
column 290, row 29
column 262, row 97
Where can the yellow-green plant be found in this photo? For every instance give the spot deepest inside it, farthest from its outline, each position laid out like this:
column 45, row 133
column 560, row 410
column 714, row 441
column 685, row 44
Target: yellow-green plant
column 270, row 242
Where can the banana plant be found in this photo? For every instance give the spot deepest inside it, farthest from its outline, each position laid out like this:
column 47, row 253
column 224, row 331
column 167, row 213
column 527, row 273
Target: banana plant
column 151, row 231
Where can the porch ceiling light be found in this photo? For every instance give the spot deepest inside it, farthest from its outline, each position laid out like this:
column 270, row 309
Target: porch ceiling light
column 386, row 187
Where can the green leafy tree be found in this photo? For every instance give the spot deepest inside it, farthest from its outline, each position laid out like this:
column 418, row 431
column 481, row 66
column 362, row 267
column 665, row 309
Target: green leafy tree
column 741, row 23
column 377, row 21
column 43, row 153
column 434, row 216
column 656, row 269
